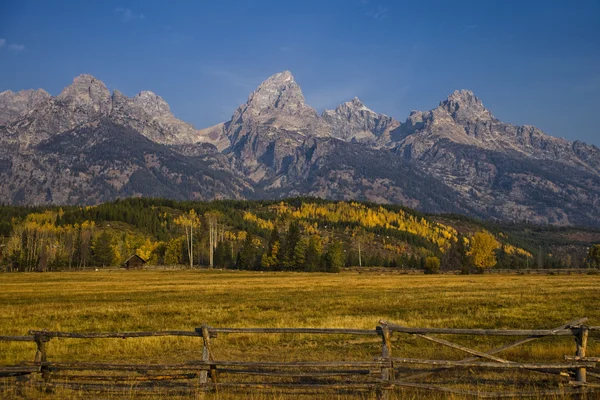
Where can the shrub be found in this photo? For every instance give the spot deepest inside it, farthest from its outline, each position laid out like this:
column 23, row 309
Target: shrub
column 432, row 265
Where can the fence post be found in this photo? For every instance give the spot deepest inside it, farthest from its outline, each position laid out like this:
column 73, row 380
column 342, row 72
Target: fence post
column 207, row 354
column 41, row 356
column 40, row 352
column 203, row 377
column 581, row 339
column 387, row 373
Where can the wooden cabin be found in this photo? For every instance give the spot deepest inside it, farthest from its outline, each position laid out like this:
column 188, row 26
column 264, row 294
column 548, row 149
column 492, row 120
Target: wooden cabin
column 134, row 262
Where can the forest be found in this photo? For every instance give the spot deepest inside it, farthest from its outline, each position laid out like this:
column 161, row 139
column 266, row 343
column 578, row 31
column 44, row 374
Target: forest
column 298, row 234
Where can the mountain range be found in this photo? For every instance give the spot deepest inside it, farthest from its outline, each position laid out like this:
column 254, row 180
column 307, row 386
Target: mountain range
column 88, row 145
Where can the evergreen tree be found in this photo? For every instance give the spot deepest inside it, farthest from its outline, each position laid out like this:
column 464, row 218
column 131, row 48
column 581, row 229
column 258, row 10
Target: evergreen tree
column 247, row 256
column 503, row 259
column 403, row 261
column 274, row 238
column 313, row 254
column 268, row 261
column 238, row 260
column 375, row 260
column 222, row 257
column 103, row 253
column 334, row 258
column 455, row 257
column 291, row 240
column 352, row 258
column 299, row 261
column 228, row 254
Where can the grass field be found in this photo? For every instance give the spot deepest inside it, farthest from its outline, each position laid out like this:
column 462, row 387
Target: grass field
column 169, row 300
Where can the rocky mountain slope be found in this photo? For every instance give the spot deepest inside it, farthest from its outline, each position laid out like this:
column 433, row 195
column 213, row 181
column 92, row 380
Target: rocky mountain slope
column 104, row 160
column 15, row 105
column 88, row 145
column 353, row 121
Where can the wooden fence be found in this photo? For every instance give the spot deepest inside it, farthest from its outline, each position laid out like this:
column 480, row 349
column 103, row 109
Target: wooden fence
column 382, row 374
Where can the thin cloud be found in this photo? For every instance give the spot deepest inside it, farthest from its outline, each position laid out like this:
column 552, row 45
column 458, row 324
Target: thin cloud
column 284, row 49
column 16, row 47
column 378, row 13
column 126, row 15
column 174, row 35
column 470, row 27
column 12, row 46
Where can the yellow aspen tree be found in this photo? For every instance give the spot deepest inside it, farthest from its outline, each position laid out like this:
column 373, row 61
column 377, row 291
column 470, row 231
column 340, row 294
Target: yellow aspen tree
column 212, row 218
column 482, row 251
column 189, row 221
column 359, row 236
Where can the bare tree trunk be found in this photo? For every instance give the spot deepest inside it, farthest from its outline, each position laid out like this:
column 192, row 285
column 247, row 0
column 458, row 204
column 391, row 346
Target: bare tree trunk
column 359, row 256
column 211, row 240
column 189, row 242
column 71, row 249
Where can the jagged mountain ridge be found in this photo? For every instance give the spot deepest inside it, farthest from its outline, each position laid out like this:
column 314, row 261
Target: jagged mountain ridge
column 104, row 160
column 462, row 118
column 87, row 100
column 353, row 121
column 455, row 158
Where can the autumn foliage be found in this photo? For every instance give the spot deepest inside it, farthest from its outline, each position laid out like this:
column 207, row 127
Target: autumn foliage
column 294, row 235
column 483, row 250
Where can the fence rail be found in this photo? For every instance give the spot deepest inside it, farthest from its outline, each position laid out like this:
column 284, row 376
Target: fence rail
column 112, row 335
column 17, row 339
column 383, row 374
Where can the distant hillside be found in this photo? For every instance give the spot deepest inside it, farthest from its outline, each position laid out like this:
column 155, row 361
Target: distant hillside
column 293, row 234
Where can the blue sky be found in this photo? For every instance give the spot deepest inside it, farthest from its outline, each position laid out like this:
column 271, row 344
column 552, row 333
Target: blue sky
column 531, row 62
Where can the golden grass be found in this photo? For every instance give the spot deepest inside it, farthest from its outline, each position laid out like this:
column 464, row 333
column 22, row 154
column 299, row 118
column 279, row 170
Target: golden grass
column 168, row 300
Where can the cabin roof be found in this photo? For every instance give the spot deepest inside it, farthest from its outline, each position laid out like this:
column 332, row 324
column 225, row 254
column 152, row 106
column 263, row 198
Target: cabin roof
column 135, row 256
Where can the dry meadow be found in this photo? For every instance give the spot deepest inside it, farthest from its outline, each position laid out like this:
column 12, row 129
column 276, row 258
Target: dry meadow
column 112, row 300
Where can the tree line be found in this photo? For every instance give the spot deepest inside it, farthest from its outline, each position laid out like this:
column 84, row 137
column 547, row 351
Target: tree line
column 293, row 235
